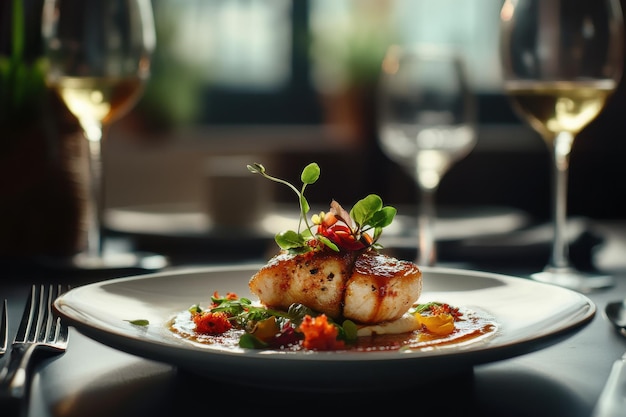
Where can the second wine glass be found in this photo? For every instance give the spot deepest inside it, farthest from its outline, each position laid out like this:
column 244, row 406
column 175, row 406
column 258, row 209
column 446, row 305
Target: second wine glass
column 98, row 55
column 561, row 61
column 426, row 118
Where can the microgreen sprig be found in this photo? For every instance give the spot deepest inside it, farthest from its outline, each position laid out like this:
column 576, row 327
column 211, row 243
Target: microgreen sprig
column 367, row 215
column 289, row 239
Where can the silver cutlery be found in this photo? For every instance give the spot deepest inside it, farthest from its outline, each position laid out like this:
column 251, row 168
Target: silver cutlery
column 39, row 331
column 612, row 401
column 4, row 329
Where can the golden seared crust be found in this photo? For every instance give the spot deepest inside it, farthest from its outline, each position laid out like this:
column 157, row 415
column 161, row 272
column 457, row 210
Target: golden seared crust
column 315, row 279
column 377, row 264
column 381, row 288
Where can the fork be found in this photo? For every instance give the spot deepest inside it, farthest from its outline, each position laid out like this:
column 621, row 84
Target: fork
column 39, row 330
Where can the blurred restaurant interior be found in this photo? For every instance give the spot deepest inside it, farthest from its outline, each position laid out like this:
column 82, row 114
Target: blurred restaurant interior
column 288, row 82
column 295, row 80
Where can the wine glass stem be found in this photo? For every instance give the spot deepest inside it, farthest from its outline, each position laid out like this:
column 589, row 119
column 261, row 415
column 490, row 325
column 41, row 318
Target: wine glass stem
column 426, row 249
column 95, row 242
column 562, row 147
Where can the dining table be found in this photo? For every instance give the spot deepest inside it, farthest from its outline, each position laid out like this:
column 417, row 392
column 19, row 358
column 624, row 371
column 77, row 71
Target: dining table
column 564, row 377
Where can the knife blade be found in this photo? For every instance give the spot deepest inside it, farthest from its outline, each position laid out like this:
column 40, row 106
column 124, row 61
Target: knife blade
column 612, row 401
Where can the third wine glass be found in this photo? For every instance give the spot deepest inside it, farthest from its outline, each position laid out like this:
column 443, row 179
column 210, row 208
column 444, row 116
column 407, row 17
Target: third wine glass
column 98, row 54
column 561, row 60
column 426, row 117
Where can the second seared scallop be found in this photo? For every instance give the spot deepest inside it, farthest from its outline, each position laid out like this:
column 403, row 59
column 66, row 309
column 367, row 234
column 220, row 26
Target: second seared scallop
column 380, row 288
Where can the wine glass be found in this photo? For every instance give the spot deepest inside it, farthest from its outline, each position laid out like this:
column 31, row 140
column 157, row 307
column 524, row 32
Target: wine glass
column 98, row 61
column 561, row 60
column 426, row 118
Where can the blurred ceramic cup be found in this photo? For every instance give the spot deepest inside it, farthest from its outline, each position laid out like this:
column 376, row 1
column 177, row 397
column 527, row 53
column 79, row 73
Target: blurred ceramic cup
column 236, row 200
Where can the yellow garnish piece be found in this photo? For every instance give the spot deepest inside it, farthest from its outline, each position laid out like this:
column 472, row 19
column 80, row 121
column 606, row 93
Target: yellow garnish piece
column 439, row 324
column 265, row 329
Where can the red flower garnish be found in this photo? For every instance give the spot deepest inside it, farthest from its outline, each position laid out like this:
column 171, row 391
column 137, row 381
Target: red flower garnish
column 342, row 236
column 436, row 309
column 208, row 322
column 339, row 228
column 319, row 334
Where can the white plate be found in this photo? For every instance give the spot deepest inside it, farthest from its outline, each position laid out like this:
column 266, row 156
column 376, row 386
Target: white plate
column 530, row 316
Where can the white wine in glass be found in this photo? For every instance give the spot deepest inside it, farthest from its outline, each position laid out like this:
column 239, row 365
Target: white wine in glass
column 98, row 55
column 426, row 119
column 561, row 62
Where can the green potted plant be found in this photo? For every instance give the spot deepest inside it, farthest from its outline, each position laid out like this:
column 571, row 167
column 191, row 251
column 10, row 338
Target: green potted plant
column 21, row 76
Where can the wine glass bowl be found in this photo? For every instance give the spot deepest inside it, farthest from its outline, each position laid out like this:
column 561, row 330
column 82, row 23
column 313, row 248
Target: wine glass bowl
column 426, row 119
column 98, row 56
column 561, row 61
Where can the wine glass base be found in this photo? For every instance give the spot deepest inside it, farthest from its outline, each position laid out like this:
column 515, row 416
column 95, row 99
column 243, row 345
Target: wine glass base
column 116, row 261
column 110, row 262
column 573, row 279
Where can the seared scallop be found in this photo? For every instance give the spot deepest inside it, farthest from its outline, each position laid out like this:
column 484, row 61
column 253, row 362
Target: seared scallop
column 314, row 279
column 370, row 288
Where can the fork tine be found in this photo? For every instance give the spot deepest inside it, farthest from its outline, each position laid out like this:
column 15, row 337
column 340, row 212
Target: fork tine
column 54, row 329
column 43, row 315
column 25, row 330
column 44, row 323
column 4, row 328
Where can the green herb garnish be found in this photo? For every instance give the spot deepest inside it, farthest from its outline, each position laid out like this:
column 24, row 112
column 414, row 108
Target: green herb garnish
column 139, row 322
column 357, row 230
column 282, row 325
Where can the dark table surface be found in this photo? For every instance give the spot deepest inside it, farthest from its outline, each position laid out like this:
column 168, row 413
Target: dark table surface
column 92, row 379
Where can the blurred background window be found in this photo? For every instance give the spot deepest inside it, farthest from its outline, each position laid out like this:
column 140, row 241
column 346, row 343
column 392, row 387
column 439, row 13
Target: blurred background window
column 469, row 25
column 239, row 44
column 267, row 61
